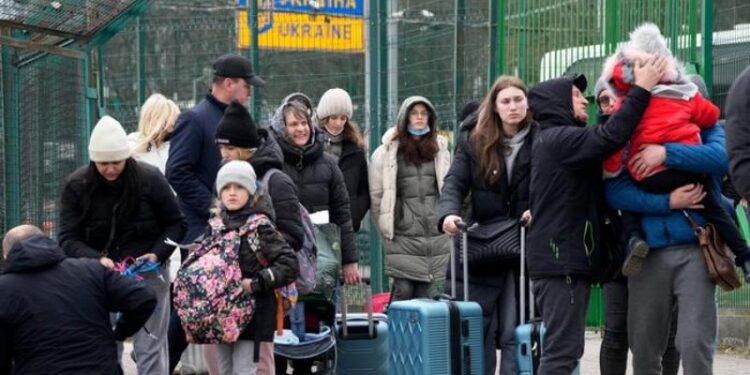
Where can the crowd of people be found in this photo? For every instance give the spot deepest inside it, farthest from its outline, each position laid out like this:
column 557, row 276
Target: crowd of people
column 611, row 203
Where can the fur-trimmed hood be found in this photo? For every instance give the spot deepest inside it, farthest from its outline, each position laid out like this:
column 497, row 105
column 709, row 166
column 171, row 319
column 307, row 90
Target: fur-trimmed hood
column 403, row 118
column 645, row 41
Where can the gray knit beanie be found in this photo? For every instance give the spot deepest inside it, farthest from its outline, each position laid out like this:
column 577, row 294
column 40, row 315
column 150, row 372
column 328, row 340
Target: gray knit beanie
column 237, row 171
column 335, row 102
column 599, row 87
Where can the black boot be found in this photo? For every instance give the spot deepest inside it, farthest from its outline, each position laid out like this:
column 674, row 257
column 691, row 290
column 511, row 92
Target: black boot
column 637, row 251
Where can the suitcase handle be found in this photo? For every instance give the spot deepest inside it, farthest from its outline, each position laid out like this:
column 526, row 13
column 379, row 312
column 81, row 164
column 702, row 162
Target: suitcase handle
column 464, row 240
column 344, row 309
column 522, row 286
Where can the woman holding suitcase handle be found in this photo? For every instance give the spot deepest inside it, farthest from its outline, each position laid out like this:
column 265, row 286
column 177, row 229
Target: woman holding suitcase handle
column 492, row 162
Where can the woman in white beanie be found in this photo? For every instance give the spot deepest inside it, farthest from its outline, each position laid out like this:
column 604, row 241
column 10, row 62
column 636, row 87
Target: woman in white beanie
column 150, row 144
column 344, row 143
column 116, row 209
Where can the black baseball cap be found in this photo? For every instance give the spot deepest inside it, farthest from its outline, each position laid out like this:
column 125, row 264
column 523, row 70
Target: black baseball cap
column 236, row 66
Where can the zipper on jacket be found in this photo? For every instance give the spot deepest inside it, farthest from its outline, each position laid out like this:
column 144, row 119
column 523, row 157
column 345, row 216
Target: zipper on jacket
column 423, row 216
column 112, row 227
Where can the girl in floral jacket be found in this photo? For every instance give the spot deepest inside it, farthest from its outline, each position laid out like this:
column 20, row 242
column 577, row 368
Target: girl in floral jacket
column 250, row 216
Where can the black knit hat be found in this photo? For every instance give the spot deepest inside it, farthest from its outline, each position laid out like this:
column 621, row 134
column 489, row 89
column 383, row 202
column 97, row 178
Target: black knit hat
column 237, row 128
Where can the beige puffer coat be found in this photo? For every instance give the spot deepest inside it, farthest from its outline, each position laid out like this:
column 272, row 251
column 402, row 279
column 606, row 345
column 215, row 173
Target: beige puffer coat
column 383, row 172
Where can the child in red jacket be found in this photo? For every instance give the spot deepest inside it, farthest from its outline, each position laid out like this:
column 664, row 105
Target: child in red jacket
column 676, row 113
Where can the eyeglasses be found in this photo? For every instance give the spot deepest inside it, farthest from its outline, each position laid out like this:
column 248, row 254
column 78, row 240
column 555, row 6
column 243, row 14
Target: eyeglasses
column 419, row 113
column 605, row 100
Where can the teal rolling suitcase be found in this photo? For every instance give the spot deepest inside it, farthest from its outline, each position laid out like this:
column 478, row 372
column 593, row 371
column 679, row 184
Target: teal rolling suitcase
column 361, row 341
column 437, row 337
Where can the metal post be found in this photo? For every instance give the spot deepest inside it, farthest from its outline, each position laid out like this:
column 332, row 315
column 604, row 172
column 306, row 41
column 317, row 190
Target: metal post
column 12, row 124
column 707, row 41
column 390, row 45
column 252, row 23
column 89, row 104
column 693, row 32
column 521, row 65
column 100, row 82
column 373, row 86
column 673, row 25
column 140, row 45
column 611, row 25
column 458, row 64
column 497, row 41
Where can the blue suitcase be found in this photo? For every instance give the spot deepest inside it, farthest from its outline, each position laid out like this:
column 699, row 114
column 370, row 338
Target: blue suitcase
column 528, row 337
column 361, row 340
column 435, row 337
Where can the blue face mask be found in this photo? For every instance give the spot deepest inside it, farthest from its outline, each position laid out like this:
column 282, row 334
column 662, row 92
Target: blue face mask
column 414, row 131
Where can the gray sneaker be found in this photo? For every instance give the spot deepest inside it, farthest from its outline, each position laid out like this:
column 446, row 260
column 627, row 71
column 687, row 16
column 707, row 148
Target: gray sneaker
column 637, row 251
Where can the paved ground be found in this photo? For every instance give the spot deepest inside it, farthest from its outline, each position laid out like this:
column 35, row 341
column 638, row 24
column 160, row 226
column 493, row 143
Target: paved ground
column 723, row 364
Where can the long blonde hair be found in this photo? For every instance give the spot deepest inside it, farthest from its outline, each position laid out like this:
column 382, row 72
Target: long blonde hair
column 158, row 116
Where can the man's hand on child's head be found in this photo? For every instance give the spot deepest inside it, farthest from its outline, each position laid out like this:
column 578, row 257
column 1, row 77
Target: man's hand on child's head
column 649, row 72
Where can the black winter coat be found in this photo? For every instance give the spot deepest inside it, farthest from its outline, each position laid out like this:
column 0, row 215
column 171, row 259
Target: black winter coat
column 282, row 268
column 353, row 165
column 566, row 179
column 54, row 315
column 88, row 225
column 488, row 203
column 321, row 187
column 281, row 189
column 738, row 133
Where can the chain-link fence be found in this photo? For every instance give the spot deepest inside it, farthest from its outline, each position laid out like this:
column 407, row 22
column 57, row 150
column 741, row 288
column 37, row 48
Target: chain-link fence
column 43, row 99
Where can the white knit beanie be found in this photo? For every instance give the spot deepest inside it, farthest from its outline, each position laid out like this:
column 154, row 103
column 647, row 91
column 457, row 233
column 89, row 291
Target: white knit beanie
column 108, row 141
column 237, row 171
column 335, row 102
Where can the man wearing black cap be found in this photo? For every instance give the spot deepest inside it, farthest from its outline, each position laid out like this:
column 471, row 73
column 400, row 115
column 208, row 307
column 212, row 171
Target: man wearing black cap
column 565, row 197
column 194, row 157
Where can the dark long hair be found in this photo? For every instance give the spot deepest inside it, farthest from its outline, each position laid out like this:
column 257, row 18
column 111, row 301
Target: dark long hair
column 489, row 136
column 351, row 132
column 418, row 150
column 129, row 181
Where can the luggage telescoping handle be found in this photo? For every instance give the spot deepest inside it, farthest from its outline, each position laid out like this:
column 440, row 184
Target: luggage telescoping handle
column 344, row 309
column 464, row 241
column 522, row 280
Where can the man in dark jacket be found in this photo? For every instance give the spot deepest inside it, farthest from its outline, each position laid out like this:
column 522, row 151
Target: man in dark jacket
column 565, row 196
column 55, row 310
column 738, row 133
column 193, row 155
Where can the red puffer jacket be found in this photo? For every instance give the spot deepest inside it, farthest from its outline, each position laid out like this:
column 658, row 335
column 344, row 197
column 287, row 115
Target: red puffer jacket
column 666, row 120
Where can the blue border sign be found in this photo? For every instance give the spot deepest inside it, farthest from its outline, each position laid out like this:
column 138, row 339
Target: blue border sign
column 348, row 8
